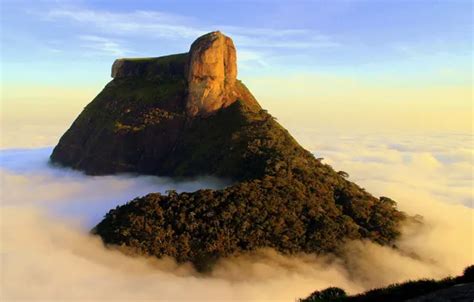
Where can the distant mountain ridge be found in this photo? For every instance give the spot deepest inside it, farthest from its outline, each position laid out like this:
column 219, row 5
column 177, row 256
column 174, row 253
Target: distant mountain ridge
column 450, row 289
column 188, row 115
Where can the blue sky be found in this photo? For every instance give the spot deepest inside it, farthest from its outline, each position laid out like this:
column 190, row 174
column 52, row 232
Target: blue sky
column 76, row 41
column 332, row 64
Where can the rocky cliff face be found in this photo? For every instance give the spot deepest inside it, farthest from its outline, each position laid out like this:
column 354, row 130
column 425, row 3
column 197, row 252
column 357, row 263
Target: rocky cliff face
column 187, row 115
column 212, row 74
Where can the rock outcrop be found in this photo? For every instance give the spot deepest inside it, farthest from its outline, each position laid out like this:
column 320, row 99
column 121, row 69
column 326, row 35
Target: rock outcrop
column 210, row 69
column 167, row 66
column 212, row 74
column 187, row 115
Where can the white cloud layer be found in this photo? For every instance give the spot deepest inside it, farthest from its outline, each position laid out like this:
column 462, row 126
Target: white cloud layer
column 48, row 255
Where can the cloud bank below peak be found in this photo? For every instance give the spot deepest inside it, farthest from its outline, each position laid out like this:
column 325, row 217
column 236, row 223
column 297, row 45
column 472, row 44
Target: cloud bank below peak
column 52, row 210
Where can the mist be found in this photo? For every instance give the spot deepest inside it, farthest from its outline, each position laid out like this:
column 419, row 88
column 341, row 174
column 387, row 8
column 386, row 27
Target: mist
column 47, row 212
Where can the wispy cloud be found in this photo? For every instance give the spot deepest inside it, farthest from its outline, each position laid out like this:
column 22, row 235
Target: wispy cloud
column 150, row 23
column 102, row 45
column 53, row 49
column 248, row 58
column 256, row 43
column 279, row 38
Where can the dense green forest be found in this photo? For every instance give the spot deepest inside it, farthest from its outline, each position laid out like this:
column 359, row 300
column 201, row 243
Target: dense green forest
column 285, row 199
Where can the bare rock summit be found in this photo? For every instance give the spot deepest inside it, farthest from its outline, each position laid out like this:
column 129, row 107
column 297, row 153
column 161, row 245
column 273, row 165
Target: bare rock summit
column 212, row 74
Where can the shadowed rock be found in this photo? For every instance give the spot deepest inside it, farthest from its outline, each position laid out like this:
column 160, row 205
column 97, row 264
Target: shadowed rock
column 167, row 66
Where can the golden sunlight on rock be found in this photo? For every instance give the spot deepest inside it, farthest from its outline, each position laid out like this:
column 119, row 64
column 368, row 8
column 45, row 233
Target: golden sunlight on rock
column 212, row 74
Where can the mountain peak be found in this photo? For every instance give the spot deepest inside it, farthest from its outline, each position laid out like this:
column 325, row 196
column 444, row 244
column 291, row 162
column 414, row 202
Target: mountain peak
column 186, row 115
column 210, row 69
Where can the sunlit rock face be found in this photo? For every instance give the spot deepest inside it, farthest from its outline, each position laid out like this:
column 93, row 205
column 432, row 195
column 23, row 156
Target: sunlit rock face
column 212, row 74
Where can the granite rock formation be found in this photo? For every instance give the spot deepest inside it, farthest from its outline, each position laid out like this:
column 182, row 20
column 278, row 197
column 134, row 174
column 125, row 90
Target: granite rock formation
column 212, row 74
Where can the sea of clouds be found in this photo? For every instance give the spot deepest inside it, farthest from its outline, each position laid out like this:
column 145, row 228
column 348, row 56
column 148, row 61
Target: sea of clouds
column 46, row 213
